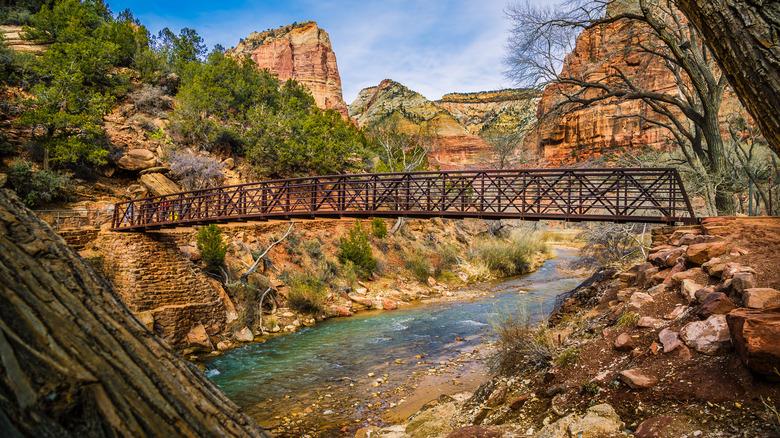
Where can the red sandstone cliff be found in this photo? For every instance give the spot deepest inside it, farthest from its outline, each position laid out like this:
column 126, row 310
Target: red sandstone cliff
column 611, row 125
column 301, row 52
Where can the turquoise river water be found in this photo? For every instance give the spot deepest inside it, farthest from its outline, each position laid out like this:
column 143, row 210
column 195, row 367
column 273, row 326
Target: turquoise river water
column 346, row 372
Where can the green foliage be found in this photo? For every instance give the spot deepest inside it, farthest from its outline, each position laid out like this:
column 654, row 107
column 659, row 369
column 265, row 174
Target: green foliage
column 19, row 12
column 378, row 228
column 313, row 247
column 356, row 249
column 307, row 293
column 628, row 319
column 567, row 357
column 419, row 266
column 301, row 139
column 178, row 52
column 6, row 148
column 512, row 256
column 35, row 187
column 521, row 345
column 591, row 387
column 212, row 248
column 76, row 79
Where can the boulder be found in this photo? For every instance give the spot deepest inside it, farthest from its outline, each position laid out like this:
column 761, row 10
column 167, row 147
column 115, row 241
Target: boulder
column 647, row 322
column 244, row 335
column 714, row 267
column 644, row 273
column 742, row 281
column 190, row 252
column 676, row 269
column 699, row 253
column 518, row 402
column 229, row 163
column 159, row 184
column 389, row 304
column 136, row 191
column 710, row 337
column 716, row 303
column 760, row 297
column 677, row 278
column 639, row 298
column 669, row 339
column 678, row 311
column 729, row 269
column 339, row 311
column 598, row 421
column 688, row 290
column 198, row 339
column 637, row 379
column 702, row 293
column 624, row 342
column 137, row 159
column 756, row 335
column 666, row 258
column 363, row 301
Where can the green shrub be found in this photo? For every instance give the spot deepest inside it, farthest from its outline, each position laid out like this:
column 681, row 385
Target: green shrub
column 512, row 256
column 356, row 249
column 521, row 345
column 378, row 228
column 419, row 266
column 212, row 248
column 448, row 258
column 36, row 187
column 567, row 357
column 313, row 247
column 307, row 293
column 628, row 319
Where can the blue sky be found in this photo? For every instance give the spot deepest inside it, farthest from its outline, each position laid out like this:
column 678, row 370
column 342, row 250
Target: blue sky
column 432, row 47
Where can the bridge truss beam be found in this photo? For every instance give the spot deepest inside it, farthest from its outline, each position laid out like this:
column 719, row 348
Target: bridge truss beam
column 654, row 195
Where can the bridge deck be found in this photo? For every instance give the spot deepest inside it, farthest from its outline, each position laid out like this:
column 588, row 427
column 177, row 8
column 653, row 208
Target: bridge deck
column 623, row 195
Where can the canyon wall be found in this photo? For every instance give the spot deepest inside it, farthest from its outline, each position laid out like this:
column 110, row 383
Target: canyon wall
column 612, row 126
column 456, row 123
column 301, row 52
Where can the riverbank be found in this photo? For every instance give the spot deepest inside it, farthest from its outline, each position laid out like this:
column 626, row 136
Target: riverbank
column 683, row 345
column 425, row 261
column 377, row 367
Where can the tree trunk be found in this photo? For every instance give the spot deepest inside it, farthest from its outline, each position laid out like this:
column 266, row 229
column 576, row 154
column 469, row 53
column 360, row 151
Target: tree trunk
column 744, row 36
column 75, row 362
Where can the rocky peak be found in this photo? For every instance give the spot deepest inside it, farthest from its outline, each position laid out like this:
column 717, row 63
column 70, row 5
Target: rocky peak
column 456, row 122
column 299, row 51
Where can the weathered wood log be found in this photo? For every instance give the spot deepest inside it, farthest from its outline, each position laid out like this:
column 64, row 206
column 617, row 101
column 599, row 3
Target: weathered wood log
column 744, row 36
column 76, row 362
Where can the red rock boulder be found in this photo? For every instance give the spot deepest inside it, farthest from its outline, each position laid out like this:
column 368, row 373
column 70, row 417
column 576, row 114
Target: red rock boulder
column 756, row 336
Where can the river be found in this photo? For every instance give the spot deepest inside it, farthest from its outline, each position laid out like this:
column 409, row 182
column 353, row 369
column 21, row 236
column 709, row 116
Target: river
column 352, row 372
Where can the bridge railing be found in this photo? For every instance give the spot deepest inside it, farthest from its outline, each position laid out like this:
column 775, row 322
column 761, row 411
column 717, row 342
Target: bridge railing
column 634, row 194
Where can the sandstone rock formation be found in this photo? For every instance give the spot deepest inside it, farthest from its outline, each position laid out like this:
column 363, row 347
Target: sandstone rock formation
column 301, row 52
column 76, row 362
column 455, row 123
column 609, row 126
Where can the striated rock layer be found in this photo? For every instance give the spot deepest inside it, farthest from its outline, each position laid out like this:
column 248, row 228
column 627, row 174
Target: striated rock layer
column 301, row 52
column 75, row 362
column 611, row 125
column 456, row 123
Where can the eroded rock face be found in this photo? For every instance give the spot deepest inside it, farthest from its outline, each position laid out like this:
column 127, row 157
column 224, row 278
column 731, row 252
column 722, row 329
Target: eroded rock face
column 121, row 379
column 756, row 336
column 301, row 52
column 598, row 421
column 575, row 135
column 453, row 123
